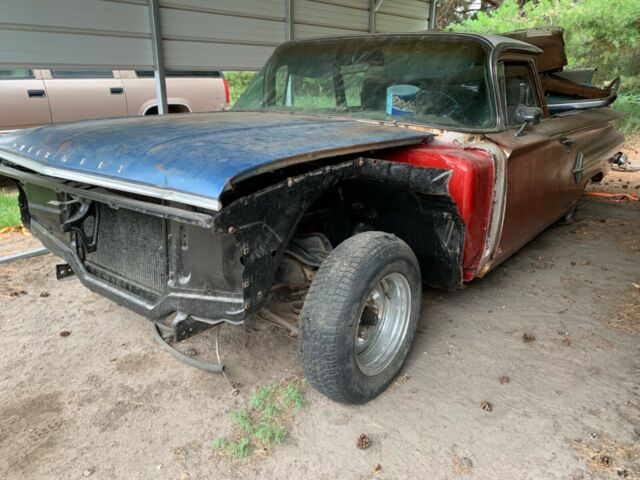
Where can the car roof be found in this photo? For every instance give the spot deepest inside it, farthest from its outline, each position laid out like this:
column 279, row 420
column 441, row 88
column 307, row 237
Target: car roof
column 494, row 42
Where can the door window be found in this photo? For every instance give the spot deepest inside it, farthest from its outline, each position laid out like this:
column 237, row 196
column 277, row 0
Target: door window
column 19, row 73
column 519, row 88
column 82, row 73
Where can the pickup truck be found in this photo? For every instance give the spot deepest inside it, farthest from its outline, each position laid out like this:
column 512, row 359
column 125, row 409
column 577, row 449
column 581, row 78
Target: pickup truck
column 360, row 167
column 30, row 98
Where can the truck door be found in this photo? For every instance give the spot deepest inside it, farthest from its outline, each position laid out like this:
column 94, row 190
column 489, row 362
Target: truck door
column 540, row 182
column 79, row 95
column 23, row 100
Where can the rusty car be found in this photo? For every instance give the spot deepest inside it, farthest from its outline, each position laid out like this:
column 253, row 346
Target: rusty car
column 361, row 167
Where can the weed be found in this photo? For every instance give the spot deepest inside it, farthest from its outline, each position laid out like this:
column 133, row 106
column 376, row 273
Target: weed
column 293, row 396
column 238, row 449
column 263, row 424
column 271, row 410
column 242, row 418
column 263, row 396
column 270, row 434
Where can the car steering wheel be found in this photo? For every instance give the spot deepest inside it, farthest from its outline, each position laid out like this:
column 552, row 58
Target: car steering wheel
column 455, row 106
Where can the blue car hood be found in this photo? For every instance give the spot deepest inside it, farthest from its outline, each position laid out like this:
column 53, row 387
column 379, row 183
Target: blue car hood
column 198, row 154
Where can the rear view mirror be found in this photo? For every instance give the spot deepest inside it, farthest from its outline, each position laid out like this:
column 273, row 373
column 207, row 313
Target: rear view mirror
column 527, row 116
column 530, row 115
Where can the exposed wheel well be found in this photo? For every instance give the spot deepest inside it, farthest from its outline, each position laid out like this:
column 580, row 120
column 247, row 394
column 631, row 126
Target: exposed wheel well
column 427, row 223
column 173, row 108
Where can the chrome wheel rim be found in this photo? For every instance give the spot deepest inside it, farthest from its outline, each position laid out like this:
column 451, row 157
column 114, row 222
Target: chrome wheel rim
column 383, row 324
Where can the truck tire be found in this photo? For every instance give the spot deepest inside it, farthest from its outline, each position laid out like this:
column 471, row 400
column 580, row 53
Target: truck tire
column 360, row 316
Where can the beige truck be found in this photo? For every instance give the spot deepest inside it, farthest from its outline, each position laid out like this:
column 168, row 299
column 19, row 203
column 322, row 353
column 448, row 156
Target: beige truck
column 29, row 98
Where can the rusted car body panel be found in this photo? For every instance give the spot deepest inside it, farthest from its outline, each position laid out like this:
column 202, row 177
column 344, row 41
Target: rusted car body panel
column 195, row 214
column 548, row 169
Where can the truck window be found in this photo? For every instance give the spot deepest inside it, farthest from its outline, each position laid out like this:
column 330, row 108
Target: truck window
column 20, row 73
column 82, row 73
column 518, row 86
column 442, row 83
column 208, row 74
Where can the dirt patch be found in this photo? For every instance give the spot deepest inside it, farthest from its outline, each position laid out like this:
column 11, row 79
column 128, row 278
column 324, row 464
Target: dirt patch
column 610, row 458
column 461, row 465
column 106, row 399
column 626, row 316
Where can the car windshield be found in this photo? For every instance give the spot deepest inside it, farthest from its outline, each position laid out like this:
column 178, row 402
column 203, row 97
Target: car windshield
column 418, row 79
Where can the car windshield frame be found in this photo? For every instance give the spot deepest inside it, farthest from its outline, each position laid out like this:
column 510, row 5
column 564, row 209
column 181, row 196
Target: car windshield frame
column 472, row 64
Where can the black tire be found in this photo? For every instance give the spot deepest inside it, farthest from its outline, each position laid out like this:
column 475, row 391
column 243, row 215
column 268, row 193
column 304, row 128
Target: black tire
column 331, row 315
column 569, row 217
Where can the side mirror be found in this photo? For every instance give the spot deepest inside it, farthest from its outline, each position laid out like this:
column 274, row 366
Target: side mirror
column 527, row 116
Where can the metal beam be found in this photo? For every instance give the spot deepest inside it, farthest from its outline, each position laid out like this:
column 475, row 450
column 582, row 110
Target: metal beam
column 433, row 4
column 158, row 57
column 17, row 256
column 372, row 16
column 288, row 20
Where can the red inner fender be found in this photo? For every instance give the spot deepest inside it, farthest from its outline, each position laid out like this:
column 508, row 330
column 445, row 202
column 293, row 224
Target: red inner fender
column 471, row 187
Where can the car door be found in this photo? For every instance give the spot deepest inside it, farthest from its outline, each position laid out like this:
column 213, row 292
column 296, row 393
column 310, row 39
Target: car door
column 78, row 95
column 540, row 182
column 23, row 99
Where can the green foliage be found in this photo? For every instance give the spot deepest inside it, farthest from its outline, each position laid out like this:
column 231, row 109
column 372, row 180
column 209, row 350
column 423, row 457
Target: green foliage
column 263, row 396
column 603, row 34
column 264, row 423
column 238, row 449
column 270, row 434
column 238, row 83
column 9, row 210
column 597, row 33
column 293, row 396
column 242, row 418
column 630, row 105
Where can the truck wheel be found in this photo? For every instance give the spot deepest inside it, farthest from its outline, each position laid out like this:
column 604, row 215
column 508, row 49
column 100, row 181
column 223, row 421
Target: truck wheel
column 359, row 317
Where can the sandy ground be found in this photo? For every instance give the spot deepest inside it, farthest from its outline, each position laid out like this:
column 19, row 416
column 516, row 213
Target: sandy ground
column 107, row 402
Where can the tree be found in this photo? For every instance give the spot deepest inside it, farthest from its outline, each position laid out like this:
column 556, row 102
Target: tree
column 602, row 34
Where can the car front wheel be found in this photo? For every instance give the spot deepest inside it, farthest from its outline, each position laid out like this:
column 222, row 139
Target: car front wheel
column 360, row 316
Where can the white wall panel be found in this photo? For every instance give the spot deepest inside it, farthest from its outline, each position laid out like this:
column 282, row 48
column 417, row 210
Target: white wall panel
column 29, row 49
column 408, row 8
column 312, row 12
column 208, row 27
column 301, row 31
column 390, row 23
column 203, row 55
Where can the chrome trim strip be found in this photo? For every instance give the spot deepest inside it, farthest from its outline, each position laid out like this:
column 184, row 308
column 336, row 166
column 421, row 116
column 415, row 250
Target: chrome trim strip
column 103, row 196
column 498, row 205
column 114, row 183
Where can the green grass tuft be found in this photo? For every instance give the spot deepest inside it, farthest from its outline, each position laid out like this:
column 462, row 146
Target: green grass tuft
column 293, row 396
column 9, row 210
column 242, row 418
column 263, row 396
column 270, row 434
column 264, row 423
column 237, row 449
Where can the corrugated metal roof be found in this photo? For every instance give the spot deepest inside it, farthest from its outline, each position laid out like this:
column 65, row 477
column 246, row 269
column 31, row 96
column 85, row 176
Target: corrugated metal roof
column 197, row 34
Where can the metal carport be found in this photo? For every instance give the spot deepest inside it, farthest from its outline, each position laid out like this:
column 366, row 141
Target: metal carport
column 184, row 34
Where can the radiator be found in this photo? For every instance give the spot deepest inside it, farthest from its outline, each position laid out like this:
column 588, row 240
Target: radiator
column 131, row 251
